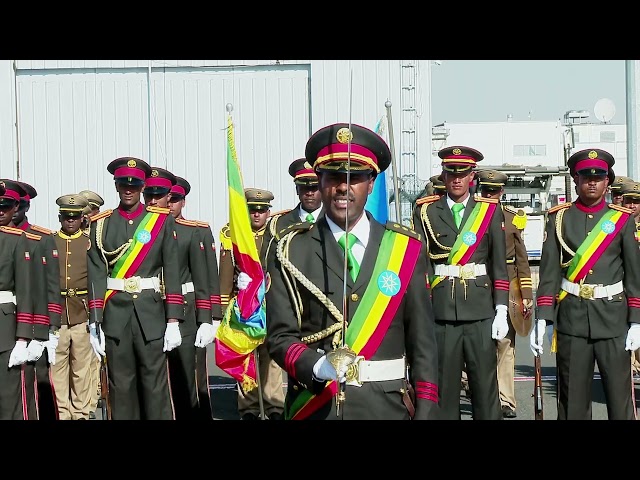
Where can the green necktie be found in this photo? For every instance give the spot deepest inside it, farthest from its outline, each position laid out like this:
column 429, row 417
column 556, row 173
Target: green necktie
column 352, row 263
column 309, row 218
column 457, row 216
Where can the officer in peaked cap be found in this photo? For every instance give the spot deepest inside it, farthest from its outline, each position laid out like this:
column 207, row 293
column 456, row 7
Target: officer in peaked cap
column 301, row 327
column 439, row 188
column 72, row 205
column 459, row 159
column 95, row 201
column 302, row 172
column 181, row 189
column 592, row 162
column 616, row 186
column 12, row 191
column 258, row 200
column 129, row 171
column 158, row 186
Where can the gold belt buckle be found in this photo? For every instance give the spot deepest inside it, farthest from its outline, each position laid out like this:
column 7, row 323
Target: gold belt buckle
column 586, row 291
column 353, row 371
column 467, row 272
column 132, row 285
column 71, row 292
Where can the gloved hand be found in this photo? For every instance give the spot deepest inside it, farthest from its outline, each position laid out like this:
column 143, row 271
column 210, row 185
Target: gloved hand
column 536, row 341
column 500, row 326
column 633, row 337
column 243, row 280
column 19, row 353
column 51, row 346
column 527, row 304
column 34, row 350
column 323, row 370
column 172, row 337
column 205, row 335
column 96, row 338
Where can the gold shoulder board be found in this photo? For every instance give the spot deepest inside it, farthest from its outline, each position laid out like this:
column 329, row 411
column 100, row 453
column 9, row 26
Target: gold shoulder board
column 202, row 224
column 620, row 208
column 33, row 236
column 158, row 210
column 40, row 229
column 12, row 230
column 396, row 227
column 188, row 223
column 486, row 200
column 559, row 207
column 300, row 226
column 429, row 199
column 100, row 215
column 281, row 212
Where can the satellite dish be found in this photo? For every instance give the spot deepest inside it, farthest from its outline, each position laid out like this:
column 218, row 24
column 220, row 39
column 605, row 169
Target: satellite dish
column 604, row 110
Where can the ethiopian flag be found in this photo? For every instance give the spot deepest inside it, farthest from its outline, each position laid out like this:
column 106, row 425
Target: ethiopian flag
column 243, row 327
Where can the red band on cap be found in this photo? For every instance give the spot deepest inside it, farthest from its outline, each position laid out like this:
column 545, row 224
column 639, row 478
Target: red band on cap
column 591, row 163
column 179, row 190
column 12, row 194
column 130, row 172
column 340, row 151
column 26, row 198
column 158, row 182
column 305, row 172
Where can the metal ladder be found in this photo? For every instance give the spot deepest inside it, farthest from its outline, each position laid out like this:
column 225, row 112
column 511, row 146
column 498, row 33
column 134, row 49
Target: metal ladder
column 408, row 166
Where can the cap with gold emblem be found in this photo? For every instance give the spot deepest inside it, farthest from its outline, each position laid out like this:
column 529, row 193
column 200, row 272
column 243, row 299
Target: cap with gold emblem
column 95, row 200
column 257, row 199
column 335, row 148
column 159, row 182
column 181, row 189
column 72, row 205
column 630, row 189
column 13, row 191
column 129, row 170
column 437, row 184
column 459, row 159
column 618, row 182
column 491, row 179
column 592, row 161
column 302, row 172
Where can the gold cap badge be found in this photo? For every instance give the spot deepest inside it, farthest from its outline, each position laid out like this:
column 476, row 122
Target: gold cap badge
column 344, row 135
column 154, row 173
column 131, row 163
column 457, row 151
column 593, row 154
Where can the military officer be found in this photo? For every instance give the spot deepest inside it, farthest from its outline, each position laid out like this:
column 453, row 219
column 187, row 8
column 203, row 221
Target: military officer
column 615, row 187
column 491, row 185
column 590, row 290
column 16, row 302
column 206, row 326
column 46, row 327
column 138, row 323
column 74, row 357
column 305, row 328
column 466, row 245
column 270, row 373
column 93, row 208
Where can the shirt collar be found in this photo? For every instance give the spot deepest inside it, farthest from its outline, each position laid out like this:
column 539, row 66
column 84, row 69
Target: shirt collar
column 302, row 213
column 464, row 202
column 63, row 235
column 131, row 215
column 360, row 229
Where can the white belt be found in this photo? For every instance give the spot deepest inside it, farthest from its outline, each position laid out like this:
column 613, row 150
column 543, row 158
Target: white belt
column 375, row 371
column 590, row 291
column 7, row 296
column 470, row 270
column 133, row 284
column 187, row 288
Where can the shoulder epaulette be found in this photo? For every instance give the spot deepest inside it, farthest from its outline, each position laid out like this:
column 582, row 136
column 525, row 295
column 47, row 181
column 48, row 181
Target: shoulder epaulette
column 300, row 226
column 202, row 224
column 559, row 207
column 510, row 209
column 103, row 214
column 486, row 200
column 429, row 199
column 620, row 208
column 14, row 231
column 158, row 210
column 281, row 212
column 225, row 238
column 396, row 227
column 33, row 236
column 188, row 223
column 519, row 219
column 40, row 229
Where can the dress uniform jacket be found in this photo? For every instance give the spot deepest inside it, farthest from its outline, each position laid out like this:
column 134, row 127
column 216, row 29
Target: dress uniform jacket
column 517, row 258
column 478, row 300
column 117, row 229
column 212, row 269
column 72, row 256
column 316, row 254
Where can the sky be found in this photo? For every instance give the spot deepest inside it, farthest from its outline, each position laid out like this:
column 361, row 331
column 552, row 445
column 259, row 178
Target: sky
column 542, row 90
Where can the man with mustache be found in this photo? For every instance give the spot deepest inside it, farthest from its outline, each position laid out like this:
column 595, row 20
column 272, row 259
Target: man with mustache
column 589, row 290
column 465, row 242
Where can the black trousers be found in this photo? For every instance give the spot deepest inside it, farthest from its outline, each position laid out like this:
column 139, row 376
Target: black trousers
column 467, row 343
column 37, row 378
column 12, row 400
column 138, row 376
column 202, row 385
column 182, row 378
column 575, row 360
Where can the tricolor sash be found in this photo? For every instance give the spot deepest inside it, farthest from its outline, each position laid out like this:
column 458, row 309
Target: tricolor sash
column 143, row 239
column 470, row 236
column 592, row 248
column 392, row 273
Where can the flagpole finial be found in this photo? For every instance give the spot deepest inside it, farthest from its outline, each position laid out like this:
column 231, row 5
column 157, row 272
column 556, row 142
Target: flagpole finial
column 387, row 103
column 229, row 107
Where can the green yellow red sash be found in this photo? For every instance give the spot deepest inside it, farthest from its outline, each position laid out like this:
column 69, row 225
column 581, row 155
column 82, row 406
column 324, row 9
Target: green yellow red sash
column 391, row 276
column 143, row 239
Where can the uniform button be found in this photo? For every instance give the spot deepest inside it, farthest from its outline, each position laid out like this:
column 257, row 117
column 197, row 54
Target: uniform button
column 590, row 272
column 295, row 387
column 135, row 296
column 588, row 232
column 68, row 241
column 590, row 216
column 130, row 222
column 68, row 265
column 68, row 278
column 354, row 297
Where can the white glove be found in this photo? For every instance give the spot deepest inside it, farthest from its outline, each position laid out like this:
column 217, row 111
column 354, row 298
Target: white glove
column 96, row 338
column 500, row 326
column 172, row 337
column 34, row 350
column 243, row 280
column 323, row 370
column 205, row 335
column 633, row 337
column 19, row 354
column 536, row 341
column 51, row 346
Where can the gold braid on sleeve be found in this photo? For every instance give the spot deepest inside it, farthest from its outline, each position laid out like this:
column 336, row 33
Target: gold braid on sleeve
column 427, row 223
column 117, row 253
column 282, row 253
column 563, row 244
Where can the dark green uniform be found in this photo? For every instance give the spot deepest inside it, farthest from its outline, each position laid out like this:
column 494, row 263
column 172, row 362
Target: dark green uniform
column 134, row 323
column 16, row 323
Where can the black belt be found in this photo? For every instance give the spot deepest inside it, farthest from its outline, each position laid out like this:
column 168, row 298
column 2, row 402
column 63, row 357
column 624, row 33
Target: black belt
column 72, row 292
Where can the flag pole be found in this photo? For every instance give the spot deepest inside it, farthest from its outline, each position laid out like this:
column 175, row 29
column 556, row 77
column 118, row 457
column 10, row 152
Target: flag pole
column 396, row 194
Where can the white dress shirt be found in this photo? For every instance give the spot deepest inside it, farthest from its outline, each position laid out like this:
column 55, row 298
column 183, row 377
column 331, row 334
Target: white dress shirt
column 360, row 230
